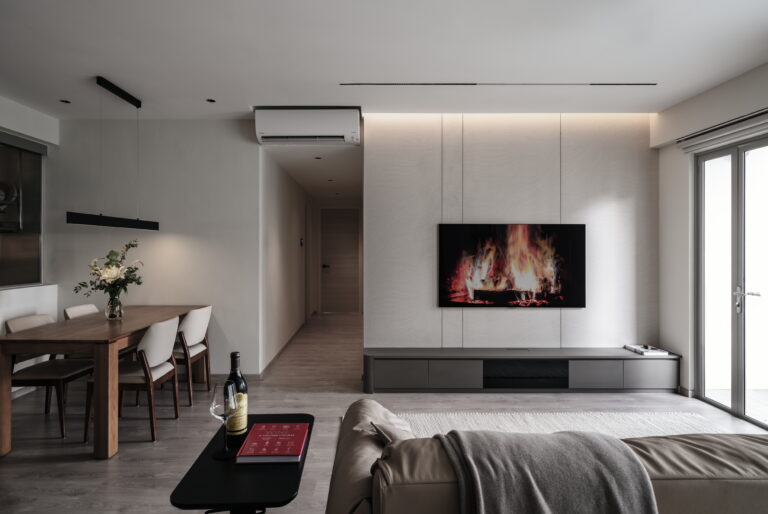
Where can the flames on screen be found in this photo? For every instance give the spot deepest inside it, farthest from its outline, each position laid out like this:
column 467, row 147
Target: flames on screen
column 522, row 270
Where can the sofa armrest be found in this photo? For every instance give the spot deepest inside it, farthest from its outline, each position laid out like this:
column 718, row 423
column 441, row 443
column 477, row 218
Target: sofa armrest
column 357, row 450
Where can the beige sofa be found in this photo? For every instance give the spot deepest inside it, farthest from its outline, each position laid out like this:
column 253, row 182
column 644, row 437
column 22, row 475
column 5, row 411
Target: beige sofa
column 696, row 474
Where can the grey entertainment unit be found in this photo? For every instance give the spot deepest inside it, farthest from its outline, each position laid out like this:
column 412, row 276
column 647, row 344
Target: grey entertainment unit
column 515, row 369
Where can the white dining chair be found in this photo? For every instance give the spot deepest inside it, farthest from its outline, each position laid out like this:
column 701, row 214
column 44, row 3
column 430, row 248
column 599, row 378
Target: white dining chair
column 155, row 366
column 51, row 373
column 80, row 310
column 193, row 344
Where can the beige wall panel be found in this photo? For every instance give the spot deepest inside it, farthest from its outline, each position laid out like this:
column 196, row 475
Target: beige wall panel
column 610, row 183
column 402, row 200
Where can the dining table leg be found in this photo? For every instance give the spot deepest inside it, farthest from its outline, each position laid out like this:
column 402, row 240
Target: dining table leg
column 105, row 400
column 5, row 403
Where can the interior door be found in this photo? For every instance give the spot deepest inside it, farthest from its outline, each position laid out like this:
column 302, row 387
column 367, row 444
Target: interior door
column 340, row 257
column 733, row 278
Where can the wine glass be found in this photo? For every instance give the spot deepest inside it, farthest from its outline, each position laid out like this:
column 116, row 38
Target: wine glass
column 223, row 405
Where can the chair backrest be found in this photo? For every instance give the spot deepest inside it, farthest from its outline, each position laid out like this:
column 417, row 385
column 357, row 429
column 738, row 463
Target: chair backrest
column 195, row 325
column 27, row 322
column 80, row 310
column 157, row 343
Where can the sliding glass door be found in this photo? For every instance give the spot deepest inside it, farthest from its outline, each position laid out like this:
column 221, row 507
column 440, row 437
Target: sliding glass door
column 733, row 278
column 755, row 159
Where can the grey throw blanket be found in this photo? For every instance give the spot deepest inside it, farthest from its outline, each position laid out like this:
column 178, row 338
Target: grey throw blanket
column 565, row 472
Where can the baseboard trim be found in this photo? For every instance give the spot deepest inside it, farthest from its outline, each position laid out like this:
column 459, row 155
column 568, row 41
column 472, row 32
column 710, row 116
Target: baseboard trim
column 684, row 391
column 268, row 368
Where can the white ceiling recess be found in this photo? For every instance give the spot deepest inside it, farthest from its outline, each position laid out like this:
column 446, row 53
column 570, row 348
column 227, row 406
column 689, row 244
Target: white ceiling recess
column 176, row 53
column 336, row 177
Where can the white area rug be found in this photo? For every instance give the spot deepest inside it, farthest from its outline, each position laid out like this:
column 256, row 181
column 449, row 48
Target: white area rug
column 619, row 424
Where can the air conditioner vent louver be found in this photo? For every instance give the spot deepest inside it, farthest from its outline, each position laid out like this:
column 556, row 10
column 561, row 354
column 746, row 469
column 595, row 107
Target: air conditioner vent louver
column 303, row 139
column 307, row 125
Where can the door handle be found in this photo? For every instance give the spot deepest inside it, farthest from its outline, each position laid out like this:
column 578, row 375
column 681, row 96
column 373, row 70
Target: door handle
column 740, row 295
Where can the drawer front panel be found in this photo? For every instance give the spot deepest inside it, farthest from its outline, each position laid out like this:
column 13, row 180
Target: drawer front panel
column 400, row 374
column 595, row 374
column 456, row 374
column 650, row 374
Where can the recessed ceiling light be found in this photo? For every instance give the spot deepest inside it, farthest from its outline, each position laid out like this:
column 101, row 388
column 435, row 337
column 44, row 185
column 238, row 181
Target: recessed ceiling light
column 210, row 100
column 65, row 101
column 318, row 158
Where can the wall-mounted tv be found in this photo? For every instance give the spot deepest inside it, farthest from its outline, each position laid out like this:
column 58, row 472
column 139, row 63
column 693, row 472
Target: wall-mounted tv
column 511, row 265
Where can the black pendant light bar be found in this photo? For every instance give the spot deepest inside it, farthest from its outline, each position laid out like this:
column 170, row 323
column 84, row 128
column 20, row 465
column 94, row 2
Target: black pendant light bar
column 118, row 91
column 99, row 220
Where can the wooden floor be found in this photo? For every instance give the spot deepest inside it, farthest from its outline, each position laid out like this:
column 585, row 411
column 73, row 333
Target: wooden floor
column 319, row 372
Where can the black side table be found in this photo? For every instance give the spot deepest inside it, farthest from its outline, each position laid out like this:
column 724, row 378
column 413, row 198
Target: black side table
column 241, row 488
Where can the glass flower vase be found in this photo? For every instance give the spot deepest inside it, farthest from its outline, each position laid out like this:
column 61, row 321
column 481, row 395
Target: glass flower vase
column 114, row 309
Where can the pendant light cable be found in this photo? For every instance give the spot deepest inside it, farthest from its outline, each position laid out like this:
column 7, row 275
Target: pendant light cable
column 138, row 165
column 101, row 145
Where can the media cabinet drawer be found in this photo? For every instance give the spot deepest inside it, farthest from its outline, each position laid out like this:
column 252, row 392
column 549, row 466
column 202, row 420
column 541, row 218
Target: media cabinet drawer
column 401, row 374
column 650, row 374
column 595, row 374
column 456, row 374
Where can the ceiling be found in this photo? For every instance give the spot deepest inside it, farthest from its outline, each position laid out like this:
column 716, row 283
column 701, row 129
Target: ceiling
column 337, row 177
column 174, row 54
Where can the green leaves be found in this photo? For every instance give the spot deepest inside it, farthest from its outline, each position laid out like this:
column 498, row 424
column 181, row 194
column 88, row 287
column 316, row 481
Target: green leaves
column 113, row 277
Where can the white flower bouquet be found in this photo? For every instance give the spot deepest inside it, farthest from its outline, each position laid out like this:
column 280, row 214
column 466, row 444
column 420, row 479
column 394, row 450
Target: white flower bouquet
column 112, row 277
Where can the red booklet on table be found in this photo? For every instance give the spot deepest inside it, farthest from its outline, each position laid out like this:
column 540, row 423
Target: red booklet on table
column 273, row 442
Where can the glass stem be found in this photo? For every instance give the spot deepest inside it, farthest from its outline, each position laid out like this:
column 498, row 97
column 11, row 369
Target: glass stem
column 226, row 448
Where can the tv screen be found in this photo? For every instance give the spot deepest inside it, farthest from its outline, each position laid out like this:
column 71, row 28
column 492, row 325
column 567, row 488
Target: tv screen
column 512, row 265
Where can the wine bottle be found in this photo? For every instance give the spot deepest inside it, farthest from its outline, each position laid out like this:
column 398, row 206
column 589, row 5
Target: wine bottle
column 237, row 423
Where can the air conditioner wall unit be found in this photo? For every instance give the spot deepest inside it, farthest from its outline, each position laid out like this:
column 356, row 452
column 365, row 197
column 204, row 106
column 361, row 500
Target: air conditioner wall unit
column 307, row 126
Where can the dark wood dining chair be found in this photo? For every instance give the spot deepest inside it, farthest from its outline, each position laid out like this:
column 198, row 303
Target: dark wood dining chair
column 192, row 344
column 155, row 365
column 51, row 373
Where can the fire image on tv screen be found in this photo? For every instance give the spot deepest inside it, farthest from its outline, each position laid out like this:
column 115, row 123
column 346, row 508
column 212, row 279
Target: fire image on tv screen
column 511, row 265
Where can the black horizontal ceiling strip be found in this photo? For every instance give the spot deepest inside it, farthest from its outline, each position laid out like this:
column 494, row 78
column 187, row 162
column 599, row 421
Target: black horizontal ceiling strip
column 723, row 125
column 498, row 83
column 99, row 220
column 118, row 91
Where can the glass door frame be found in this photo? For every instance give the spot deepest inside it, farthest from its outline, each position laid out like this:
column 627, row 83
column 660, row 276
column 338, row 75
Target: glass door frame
column 738, row 365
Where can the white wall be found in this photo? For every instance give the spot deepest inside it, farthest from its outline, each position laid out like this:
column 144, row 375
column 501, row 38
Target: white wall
column 676, row 257
column 25, row 121
column 741, row 95
column 200, row 180
column 314, row 264
column 283, row 292
column 424, row 169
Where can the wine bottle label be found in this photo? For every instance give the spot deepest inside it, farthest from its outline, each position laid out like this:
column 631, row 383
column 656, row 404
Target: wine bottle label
column 237, row 423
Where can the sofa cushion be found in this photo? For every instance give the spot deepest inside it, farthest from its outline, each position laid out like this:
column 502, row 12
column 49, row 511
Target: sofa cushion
column 357, row 449
column 706, row 473
column 389, row 433
column 415, row 475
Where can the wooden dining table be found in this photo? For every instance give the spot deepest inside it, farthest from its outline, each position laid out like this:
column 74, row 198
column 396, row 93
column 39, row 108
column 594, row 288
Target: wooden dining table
column 92, row 334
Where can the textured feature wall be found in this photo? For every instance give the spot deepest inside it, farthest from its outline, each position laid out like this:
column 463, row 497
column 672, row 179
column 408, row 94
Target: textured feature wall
column 597, row 169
